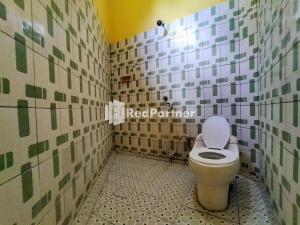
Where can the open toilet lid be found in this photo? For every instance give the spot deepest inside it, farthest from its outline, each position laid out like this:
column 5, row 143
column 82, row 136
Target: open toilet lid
column 215, row 132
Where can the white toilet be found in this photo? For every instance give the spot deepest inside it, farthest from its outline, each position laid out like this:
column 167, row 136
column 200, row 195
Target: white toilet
column 215, row 162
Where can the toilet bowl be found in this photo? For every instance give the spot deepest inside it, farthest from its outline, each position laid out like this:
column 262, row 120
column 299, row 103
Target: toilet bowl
column 214, row 160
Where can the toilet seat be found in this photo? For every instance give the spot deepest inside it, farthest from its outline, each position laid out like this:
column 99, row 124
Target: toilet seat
column 230, row 156
column 215, row 132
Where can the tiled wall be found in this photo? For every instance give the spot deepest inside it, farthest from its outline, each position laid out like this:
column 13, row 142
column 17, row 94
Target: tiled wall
column 207, row 63
column 279, row 66
column 54, row 81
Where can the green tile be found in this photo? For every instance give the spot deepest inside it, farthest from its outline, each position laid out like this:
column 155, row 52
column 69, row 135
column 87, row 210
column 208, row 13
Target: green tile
column 285, row 183
column 2, row 162
column 4, row 86
column 295, row 6
column 56, row 9
column 232, row 46
column 78, row 167
column 2, row 11
column 233, row 88
column 59, row 96
column 213, row 10
column 23, row 118
column 69, row 78
column 74, row 188
column 20, row 3
column 253, row 132
column 38, row 148
column 280, row 196
column 73, row 65
column 296, row 166
column 61, row 139
column 51, row 68
column 215, row 90
column 252, row 86
column 251, row 40
column 232, row 24
column 252, row 109
column 245, row 32
column 79, row 53
column 67, row 2
column 286, row 136
column 57, row 208
column 41, row 204
column 295, row 56
column 72, row 30
column 35, row 92
column 72, row 149
column 286, row 88
column 21, row 53
column 70, row 115
column 68, row 41
column 252, row 62
column 50, row 22
column 281, row 154
column 298, row 200
column 64, row 181
column 231, row 4
column 55, row 157
column 253, row 155
column 233, row 109
column 53, row 116
column 27, row 182
column 213, row 30
column 67, row 219
column 58, row 53
column 295, row 215
column 295, row 111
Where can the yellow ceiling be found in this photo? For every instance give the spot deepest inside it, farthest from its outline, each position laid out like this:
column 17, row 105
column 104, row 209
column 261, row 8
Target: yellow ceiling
column 125, row 18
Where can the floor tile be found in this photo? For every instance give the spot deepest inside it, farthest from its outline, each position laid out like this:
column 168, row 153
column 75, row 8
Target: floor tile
column 97, row 220
column 165, row 210
column 192, row 201
column 110, row 210
column 188, row 216
column 142, row 201
column 81, row 218
column 146, row 191
column 153, row 220
column 212, row 220
column 117, row 212
column 231, row 214
column 130, row 216
column 252, row 217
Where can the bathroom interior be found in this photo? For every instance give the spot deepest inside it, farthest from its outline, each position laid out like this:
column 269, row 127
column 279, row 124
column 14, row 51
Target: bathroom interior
column 66, row 160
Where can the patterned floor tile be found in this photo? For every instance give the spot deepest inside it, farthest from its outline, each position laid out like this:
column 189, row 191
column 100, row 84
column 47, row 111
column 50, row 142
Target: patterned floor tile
column 165, row 210
column 253, row 217
column 146, row 191
column 188, row 216
column 153, row 220
column 142, row 201
column 110, row 210
column 212, row 220
column 192, row 201
column 81, row 218
column 117, row 212
column 97, row 220
column 231, row 214
column 130, row 216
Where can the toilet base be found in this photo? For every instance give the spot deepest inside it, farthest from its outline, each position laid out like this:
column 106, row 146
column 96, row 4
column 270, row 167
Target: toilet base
column 214, row 198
